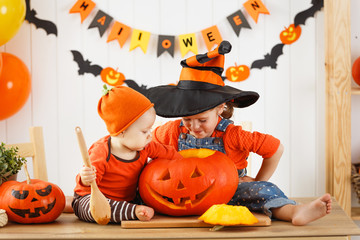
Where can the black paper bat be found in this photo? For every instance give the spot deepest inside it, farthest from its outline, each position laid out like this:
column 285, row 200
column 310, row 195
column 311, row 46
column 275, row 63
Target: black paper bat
column 30, row 16
column 301, row 17
column 270, row 59
column 85, row 66
column 132, row 84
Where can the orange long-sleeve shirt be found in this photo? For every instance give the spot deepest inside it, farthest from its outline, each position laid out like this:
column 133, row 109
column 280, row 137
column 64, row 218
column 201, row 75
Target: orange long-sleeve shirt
column 238, row 142
column 116, row 178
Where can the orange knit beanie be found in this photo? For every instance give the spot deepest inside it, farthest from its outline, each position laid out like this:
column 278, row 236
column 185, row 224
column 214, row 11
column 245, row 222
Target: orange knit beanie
column 121, row 106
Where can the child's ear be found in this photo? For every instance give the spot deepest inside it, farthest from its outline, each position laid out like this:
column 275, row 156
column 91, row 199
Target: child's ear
column 220, row 108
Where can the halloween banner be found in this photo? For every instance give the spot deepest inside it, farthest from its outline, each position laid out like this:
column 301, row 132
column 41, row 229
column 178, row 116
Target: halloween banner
column 187, row 42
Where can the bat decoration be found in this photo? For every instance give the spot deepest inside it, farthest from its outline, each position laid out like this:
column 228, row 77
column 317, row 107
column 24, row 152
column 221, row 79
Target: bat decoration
column 132, row 84
column 49, row 27
column 84, row 65
column 301, row 17
column 270, row 59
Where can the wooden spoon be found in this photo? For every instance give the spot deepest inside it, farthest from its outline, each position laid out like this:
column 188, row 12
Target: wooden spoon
column 99, row 205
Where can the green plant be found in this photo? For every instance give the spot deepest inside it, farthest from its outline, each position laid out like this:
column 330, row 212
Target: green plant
column 10, row 162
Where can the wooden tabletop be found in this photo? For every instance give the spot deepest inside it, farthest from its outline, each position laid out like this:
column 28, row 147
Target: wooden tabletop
column 336, row 225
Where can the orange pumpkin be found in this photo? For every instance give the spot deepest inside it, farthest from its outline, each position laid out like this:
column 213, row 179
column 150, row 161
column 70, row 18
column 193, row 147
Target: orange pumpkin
column 191, row 185
column 31, row 201
column 356, row 71
column 237, row 73
column 290, row 34
column 112, row 77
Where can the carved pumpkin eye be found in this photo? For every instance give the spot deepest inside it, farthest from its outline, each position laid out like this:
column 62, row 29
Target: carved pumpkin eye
column 165, row 176
column 45, row 191
column 196, row 173
column 20, row 195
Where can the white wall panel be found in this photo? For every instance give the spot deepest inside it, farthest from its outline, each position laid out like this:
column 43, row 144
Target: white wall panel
column 290, row 96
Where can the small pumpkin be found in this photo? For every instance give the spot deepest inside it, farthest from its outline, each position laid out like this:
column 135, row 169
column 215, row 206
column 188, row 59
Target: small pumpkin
column 31, row 201
column 290, row 34
column 227, row 215
column 237, row 73
column 112, row 77
column 188, row 186
column 356, row 71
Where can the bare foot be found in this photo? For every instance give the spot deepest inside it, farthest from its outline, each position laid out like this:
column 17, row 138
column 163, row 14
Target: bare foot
column 306, row 213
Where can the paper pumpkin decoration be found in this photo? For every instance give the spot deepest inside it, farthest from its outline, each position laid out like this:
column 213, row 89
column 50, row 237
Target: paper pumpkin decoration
column 237, row 73
column 31, row 201
column 290, row 34
column 15, row 85
column 188, row 186
column 112, row 77
column 227, row 215
column 356, row 71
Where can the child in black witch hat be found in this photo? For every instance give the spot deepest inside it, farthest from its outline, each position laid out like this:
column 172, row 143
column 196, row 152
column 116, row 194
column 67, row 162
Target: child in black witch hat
column 205, row 105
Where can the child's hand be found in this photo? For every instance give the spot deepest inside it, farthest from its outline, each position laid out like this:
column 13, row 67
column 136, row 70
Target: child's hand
column 88, row 175
column 144, row 213
column 246, row 179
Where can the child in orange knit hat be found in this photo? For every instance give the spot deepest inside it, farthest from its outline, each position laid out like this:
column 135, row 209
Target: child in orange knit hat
column 118, row 158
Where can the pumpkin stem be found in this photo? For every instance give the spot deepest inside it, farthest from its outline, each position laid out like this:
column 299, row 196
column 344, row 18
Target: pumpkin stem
column 28, row 180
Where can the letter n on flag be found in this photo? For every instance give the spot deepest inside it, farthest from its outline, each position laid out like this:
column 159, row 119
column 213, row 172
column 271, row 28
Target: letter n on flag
column 84, row 7
column 254, row 8
column 101, row 21
column 237, row 21
column 166, row 44
column 211, row 37
column 120, row 32
column 188, row 43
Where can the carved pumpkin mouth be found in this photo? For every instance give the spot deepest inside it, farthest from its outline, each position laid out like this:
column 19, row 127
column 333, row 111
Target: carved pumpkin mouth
column 111, row 80
column 36, row 213
column 186, row 202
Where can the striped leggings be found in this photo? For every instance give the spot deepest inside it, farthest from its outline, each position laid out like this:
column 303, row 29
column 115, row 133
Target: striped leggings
column 120, row 210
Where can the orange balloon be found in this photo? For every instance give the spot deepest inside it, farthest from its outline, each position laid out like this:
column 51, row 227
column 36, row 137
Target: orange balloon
column 15, row 85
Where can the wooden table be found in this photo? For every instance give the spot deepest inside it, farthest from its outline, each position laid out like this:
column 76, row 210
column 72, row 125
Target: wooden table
column 336, row 225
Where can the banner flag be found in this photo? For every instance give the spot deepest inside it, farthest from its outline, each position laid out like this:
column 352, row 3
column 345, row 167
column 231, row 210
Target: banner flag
column 188, row 43
column 237, row 21
column 166, row 43
column 139, row 38
column 120, row 32
column 254, row 8
column 84, row 7
column 101, row 21
column 211, row 36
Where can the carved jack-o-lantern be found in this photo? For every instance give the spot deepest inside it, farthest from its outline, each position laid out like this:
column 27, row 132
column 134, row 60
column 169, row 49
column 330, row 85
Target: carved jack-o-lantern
column 237, row 73
column 290, row 34
column 188, row 186
column 112, row 77
column 34, row 202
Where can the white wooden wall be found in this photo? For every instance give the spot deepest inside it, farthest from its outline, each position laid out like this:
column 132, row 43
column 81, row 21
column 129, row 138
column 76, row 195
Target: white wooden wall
column 291, row 106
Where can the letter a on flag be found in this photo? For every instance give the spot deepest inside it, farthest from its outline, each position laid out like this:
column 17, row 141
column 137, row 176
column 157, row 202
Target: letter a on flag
column 254, row 8
column 84, row 7
column 188, row 43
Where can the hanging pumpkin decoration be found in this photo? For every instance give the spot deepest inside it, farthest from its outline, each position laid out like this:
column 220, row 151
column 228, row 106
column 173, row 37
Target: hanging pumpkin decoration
column 356, row 71
column 290, row 34
column 112, row 77
column 31, row 201
column 227, row 215
column 188, row 186
column 237, row 73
